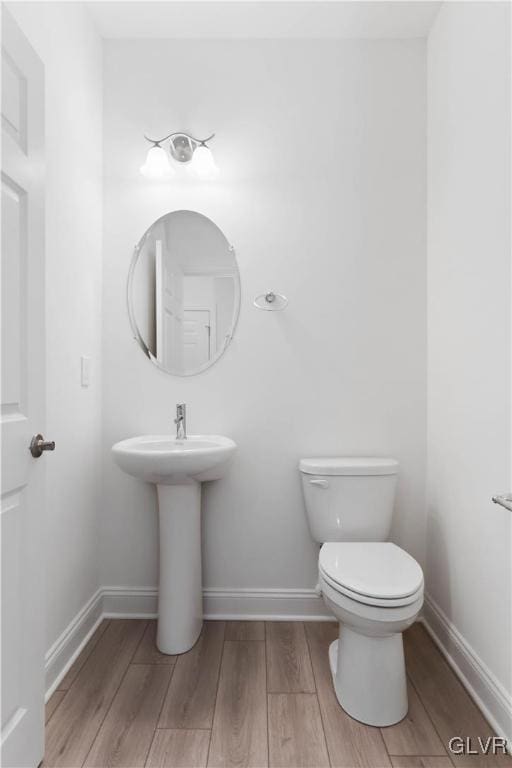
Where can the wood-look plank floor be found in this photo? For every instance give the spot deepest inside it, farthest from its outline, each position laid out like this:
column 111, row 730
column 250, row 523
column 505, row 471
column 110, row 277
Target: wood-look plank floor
column 248, row 694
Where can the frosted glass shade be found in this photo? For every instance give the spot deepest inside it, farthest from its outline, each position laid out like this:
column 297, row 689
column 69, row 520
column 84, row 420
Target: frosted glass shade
column 203, row 163
column 157, row 165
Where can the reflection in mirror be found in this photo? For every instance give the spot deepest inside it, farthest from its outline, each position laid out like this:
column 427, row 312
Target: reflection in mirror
column 183, row 292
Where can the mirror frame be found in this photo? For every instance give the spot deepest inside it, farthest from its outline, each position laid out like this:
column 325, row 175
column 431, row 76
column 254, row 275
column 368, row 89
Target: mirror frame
column 129, row 300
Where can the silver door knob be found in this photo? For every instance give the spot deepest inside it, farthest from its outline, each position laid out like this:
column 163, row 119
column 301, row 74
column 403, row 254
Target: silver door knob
column 38, row 444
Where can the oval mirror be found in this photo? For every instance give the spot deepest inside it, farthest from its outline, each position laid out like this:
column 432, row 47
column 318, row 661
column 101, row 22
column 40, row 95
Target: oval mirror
column 183, row 293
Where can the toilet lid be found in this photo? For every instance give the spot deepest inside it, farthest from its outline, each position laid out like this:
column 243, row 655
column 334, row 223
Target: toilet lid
column 347, row 465
column 371, row 569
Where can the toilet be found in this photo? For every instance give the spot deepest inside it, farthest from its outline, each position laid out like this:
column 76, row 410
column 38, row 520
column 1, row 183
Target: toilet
column 373, row 587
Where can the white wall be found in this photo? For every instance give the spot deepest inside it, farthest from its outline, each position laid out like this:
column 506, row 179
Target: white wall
column 321, row 146
column 469, row 340
column 64, row 38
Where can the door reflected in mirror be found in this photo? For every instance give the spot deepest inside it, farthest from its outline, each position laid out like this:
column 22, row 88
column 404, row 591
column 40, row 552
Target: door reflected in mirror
column 183, row 293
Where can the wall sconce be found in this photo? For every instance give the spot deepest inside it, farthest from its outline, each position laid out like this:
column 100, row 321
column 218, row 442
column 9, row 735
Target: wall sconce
column 183, row 148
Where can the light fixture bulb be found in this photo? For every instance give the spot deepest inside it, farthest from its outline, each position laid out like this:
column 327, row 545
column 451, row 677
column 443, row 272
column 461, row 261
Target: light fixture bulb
column 157, row 165
column 203, row 163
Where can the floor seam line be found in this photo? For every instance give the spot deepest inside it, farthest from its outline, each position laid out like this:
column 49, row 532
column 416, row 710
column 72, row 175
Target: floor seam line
column 182, row 729
column 56, row 708
column 420, row 697
column 318, row 700
column 155, row 729
column 123, row 676
column 266, row 696
column 216, row 693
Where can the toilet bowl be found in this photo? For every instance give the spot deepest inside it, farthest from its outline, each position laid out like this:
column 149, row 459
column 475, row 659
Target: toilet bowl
column 375, row 590
column 373, row 587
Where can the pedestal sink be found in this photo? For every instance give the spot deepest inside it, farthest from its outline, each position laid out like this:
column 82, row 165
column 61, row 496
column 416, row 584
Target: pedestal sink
column 177, row 467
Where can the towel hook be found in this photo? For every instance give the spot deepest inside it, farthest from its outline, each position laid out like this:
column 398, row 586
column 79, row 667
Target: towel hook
column 271, row 301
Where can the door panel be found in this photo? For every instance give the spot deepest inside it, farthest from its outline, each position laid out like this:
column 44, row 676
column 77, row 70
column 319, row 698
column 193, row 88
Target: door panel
column 196, row 337
column 14, row 101
column 13, row 299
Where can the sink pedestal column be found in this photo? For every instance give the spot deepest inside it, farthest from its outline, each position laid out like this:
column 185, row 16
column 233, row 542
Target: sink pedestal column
column 180, row 598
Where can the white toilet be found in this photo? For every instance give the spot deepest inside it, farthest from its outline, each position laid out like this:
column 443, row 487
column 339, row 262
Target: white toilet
column 374, row 588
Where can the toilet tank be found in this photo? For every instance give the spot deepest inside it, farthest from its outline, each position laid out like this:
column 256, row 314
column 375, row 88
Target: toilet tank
column 349, row 499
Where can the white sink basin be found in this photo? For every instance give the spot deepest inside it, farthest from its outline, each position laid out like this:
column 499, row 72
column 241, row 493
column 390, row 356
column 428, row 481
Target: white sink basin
column 177, row 467
column 164, row 460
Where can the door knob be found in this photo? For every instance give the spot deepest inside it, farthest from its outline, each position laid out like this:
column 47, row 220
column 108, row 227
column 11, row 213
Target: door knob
column 38, row 444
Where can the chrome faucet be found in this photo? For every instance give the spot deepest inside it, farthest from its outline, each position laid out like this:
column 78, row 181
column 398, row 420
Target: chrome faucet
column 181, row 421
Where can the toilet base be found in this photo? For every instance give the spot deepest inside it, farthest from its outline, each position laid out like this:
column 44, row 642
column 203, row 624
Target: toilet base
column 369, row 676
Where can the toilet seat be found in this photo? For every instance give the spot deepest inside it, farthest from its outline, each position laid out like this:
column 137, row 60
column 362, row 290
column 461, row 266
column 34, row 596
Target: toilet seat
column 371, row 601
column 372, row 573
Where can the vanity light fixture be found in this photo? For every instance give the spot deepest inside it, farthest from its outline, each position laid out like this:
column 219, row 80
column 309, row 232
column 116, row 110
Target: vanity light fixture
column 183, row 148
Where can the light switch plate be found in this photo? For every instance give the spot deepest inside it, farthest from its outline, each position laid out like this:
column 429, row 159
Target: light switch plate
column 85, row 370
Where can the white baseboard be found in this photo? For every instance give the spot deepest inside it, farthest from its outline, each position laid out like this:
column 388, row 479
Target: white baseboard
column 68, row 646
column 235, row 604
column 261, row 604
column 141, row 603
column 487, row 692
column 130, row 602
